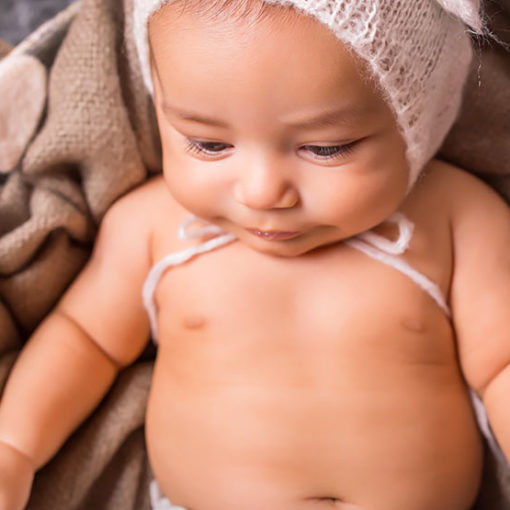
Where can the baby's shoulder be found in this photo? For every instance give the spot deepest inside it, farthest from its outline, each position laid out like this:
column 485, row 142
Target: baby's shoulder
column 132, row 213
column 150, row 214
column 137, row 200
column 452, row 192
column 137, row 219
column 444, row 181
column 144, row 207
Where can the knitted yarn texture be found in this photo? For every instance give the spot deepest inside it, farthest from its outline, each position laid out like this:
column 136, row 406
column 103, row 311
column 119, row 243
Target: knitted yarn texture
column 418, row 52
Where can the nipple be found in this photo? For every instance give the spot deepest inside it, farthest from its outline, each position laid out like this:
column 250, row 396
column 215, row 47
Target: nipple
column 194, row 322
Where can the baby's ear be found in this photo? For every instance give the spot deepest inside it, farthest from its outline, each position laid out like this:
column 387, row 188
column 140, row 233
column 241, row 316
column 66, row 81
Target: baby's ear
column 156, row 85
column 467, row 10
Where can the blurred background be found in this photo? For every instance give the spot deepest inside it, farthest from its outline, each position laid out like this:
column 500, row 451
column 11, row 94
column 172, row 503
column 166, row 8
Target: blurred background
column 20, row 17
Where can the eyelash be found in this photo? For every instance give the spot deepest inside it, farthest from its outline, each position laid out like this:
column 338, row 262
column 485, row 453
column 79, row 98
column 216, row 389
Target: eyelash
column 330, row 152
column 198, row 147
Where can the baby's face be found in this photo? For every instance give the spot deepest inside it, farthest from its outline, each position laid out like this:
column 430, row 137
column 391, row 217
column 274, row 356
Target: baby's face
column 271, row 132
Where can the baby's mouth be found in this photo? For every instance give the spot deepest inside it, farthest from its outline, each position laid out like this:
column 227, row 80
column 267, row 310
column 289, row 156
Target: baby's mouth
column 272, row 235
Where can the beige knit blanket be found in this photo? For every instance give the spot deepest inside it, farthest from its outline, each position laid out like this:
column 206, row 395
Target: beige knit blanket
column 77, row 131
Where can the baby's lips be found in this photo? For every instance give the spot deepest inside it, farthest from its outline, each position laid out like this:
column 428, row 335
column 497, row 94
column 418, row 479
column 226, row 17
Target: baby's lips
column 273, row 235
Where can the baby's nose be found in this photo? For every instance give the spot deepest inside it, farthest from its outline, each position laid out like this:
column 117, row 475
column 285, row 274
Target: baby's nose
column 265, row 186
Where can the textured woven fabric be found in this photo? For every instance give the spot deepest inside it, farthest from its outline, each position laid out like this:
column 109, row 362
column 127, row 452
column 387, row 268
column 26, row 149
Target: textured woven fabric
column 418, row 51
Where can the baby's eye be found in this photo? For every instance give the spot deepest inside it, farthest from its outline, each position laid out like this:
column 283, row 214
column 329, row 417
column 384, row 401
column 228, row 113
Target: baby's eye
column 206, row 148
column 328, row 152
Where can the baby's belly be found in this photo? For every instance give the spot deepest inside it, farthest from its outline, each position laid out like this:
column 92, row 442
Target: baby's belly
column 225, row 433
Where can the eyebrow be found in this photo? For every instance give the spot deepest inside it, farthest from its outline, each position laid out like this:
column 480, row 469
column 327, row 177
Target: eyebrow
column 332, row 117
column 344, row 115
column 192, row 117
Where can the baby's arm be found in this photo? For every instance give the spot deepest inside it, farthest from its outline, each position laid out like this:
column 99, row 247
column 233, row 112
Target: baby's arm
column 72, row 359
column 480, row 298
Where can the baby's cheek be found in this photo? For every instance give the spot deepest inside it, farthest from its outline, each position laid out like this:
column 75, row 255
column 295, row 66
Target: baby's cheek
column 191, row 191
column 347, row 202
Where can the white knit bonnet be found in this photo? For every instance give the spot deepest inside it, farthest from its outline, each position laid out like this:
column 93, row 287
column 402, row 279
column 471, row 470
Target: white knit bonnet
column 417, row 50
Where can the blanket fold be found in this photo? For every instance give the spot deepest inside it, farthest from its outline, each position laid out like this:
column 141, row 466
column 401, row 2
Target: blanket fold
column 86, row 136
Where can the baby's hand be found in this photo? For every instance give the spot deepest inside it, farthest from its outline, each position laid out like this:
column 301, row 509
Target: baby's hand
column 16, row 477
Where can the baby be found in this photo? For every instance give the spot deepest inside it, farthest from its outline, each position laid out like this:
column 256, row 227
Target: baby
column 328, row 324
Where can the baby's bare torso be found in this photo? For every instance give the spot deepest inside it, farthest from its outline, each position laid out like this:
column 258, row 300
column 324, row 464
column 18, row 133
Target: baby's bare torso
column 282, row 383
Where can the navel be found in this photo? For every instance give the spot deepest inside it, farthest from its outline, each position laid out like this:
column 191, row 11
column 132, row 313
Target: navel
column 329, row 500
